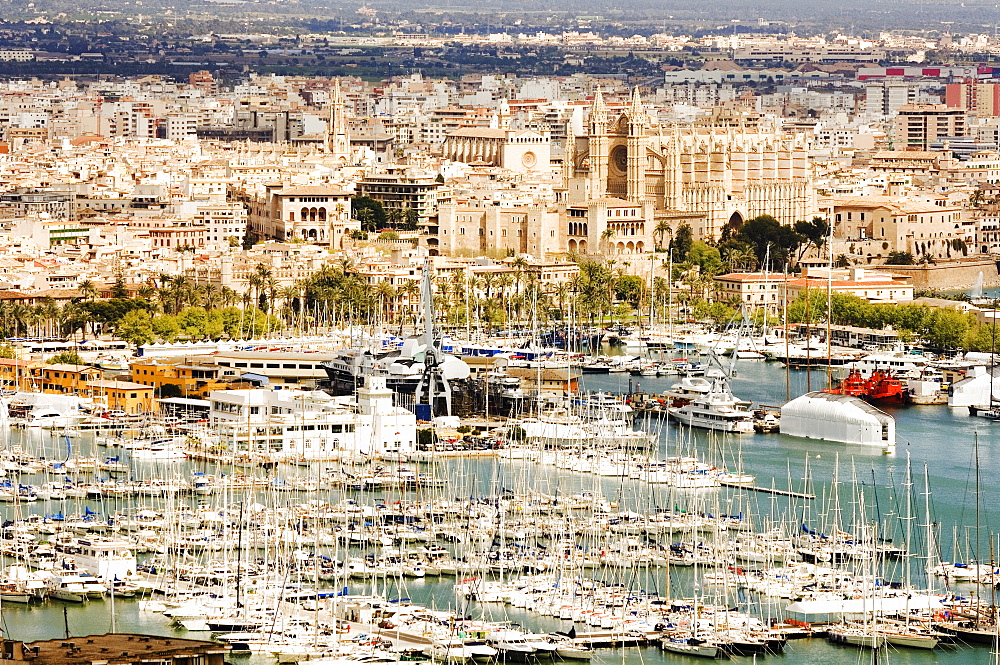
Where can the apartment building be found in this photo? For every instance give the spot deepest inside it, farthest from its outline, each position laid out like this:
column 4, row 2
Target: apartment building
column 917, row 126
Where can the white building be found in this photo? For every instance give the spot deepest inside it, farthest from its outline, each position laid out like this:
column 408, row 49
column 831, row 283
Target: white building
column 222, row 222
column 976, row 389
column 842, row 418
column 311, row 424
column 182, row 126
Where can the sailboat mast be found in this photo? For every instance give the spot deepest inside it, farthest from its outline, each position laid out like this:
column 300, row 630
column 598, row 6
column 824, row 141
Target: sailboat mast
column 829, row 307
column 670, row 292
column 652, row 283
column 784, row 322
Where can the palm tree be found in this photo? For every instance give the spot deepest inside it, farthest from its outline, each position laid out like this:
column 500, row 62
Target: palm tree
column 88, row 290
column 504, row 282
column 49, row 313
column 409, row 291
column 489, row 279
column 272, row 295
column 385, row 295
column 254, row 285
column 210, row 296
column 562, row 292
column 288, row 294
column 394, row 216
column 519, row 265
column 444, row 294
column 607, row 236
column 145, row 292
column 662, row 228
column 228, row 297
column 180, row 291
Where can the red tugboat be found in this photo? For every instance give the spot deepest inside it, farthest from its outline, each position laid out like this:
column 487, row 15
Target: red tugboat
column 882, row 387
column 853, row 385
column 886, row 388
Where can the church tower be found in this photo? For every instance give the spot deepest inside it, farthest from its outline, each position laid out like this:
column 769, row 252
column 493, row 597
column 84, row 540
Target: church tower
column 636, row 144
column 338, row 142
column 600, row 145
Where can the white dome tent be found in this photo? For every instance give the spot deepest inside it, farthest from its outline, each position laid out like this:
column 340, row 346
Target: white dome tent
column 843, row 418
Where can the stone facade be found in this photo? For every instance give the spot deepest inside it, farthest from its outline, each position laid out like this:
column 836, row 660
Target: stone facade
column 723, row 174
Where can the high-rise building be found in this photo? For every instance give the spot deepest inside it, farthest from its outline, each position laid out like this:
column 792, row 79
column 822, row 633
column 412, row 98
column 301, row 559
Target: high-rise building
column 885, row 97
column 917, row 126
column 979, row 99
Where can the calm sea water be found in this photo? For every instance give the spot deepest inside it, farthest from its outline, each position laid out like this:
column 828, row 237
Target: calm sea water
column 870, row 488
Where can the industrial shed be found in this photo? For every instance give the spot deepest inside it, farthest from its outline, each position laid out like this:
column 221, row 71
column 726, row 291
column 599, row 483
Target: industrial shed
column 843, row 418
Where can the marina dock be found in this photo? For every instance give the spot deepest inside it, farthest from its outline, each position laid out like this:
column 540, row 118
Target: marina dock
column 769, row 490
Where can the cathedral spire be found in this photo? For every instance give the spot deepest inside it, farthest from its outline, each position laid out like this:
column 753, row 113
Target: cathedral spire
column 598, row 113
column 636, row 105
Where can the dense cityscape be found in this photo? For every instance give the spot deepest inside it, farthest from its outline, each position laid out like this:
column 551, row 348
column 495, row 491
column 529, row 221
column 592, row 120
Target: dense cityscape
column 522, row 333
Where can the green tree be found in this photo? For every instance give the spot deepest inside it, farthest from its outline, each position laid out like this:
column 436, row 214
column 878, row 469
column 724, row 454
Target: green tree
column 814, row 231
column 66, row 358
column 165, row 327
column 118, row 289
column 769, row 239
column 630, row 289
column 706, row 257
column 681, row 242
column 662, row 229
column 88, row 290
column 167, row 390
column 369, row 212
column 900, row 259
column 411, row 219
column 842, row 261
column 136, row 327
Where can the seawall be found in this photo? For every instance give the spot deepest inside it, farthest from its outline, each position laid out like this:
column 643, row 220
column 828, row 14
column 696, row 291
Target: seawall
column 949, row 275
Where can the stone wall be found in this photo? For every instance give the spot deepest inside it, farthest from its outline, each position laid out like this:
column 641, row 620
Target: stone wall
column 957, row 275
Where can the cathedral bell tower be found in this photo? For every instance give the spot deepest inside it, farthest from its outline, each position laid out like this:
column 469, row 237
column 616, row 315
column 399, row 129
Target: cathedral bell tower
column 636, row 143
column 599, row 147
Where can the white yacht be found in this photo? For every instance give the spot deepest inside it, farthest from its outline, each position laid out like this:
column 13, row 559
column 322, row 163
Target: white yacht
column 106, row 558
column 902, row 365
column 715, row 407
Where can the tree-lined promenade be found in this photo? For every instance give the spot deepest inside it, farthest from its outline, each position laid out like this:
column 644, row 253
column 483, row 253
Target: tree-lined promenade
column 606, row 290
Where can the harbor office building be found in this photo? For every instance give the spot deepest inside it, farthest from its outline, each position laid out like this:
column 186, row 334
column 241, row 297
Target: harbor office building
column 302, row 424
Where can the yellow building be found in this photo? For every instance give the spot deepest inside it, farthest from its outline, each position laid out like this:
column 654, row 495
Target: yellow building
column 67, row 379
column 18, row 373
column 192, row 380
column 121, row 395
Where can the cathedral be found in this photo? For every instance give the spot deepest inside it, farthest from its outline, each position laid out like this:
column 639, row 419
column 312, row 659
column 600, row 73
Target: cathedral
column 706, row 176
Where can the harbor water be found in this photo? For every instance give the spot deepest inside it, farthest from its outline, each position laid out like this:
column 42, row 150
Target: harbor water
column 947, row 443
